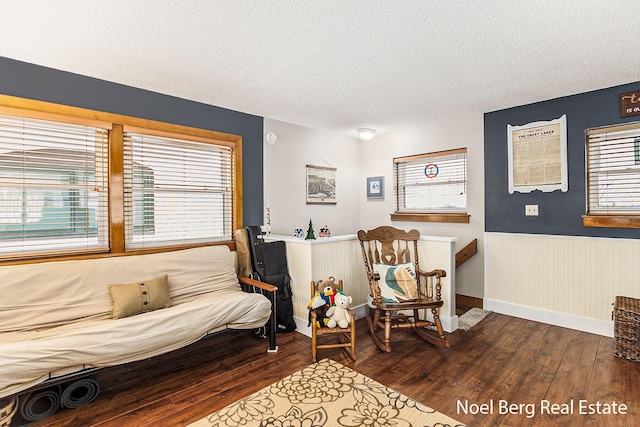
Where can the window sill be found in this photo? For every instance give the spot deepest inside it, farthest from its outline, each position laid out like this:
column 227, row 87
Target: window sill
column 611, row 221
column 458, row 217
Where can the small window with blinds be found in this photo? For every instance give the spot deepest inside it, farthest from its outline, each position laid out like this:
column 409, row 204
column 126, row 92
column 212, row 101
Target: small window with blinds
column 431, row 187
column 177, row 192
column 53, row 187
column 613, row 176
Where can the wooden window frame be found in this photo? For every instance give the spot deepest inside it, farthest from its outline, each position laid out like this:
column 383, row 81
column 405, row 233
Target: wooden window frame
column 607, row 220
column 22, row 107
column 428, row 216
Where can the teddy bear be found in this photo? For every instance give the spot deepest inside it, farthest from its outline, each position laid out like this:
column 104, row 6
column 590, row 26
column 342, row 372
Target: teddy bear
column 339, row 314
column 326, row 289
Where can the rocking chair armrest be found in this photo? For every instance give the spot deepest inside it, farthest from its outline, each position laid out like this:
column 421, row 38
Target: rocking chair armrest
column 437, row 272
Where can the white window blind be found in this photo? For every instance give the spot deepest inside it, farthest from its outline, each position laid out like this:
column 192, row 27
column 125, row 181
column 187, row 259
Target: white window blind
column 177, row 192
column 433, row 182
column 53, row 187
column 613, row 170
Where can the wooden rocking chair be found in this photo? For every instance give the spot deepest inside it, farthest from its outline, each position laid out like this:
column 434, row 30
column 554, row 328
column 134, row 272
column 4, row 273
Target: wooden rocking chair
column 383, row 249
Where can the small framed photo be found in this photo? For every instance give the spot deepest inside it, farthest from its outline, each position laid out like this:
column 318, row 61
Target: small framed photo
column 375, row 187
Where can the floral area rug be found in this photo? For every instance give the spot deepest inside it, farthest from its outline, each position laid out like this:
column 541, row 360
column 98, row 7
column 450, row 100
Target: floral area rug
column 326, row 394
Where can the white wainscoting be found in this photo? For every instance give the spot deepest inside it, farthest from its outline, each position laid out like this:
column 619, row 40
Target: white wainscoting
column 341, row 257
column 561, row 280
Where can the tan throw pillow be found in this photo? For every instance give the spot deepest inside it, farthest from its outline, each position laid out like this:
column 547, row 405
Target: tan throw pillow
column 397, row 282
column 138, row 297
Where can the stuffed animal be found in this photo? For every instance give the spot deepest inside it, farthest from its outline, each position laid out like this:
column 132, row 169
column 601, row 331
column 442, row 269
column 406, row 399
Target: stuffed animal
column 326, row 289
column 338, row 314
column 321, row 315
column 316, row 301
column 320, row 307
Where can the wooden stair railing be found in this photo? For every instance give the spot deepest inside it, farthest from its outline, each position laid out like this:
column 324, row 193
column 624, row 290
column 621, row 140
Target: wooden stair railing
column 467, row 252
column 461, row 256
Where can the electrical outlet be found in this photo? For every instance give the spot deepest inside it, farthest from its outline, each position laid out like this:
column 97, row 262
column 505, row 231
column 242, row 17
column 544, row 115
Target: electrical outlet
column 531, row 210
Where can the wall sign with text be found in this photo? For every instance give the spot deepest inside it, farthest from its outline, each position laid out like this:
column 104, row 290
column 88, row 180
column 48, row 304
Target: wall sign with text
column 630, row 104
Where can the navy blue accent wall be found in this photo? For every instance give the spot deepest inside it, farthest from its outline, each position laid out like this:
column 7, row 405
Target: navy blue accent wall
column 46, row 84
column 559, row 213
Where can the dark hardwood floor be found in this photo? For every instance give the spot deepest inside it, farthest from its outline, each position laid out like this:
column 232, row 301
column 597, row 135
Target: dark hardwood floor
column 501, row 359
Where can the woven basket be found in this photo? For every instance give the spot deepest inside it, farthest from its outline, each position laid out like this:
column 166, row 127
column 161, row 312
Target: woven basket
column 627, row 328
column 7, row 411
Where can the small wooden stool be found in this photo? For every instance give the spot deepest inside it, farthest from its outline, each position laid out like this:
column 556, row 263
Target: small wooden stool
column 346, row 336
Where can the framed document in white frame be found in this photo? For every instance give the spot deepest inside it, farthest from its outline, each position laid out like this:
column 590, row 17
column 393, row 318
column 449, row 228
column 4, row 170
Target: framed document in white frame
column 537, row 154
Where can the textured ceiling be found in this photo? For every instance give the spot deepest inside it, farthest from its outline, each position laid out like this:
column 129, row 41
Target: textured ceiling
column 336, row 65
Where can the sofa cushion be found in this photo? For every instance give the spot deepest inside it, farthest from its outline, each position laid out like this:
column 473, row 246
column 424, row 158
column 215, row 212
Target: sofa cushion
column 140, row 296
column 50, row 294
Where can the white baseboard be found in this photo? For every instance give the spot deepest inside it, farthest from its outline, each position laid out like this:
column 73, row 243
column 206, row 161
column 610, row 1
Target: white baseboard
column 449, row 324
column 564, row 320
column 301, row 326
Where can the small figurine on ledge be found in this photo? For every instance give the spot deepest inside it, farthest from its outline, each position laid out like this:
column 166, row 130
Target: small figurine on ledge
column 324, row 232
column 310, row 233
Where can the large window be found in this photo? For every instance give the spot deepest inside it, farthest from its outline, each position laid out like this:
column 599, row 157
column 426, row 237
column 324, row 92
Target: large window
column 613, row 176
column 76, row 182
column 176, row 191
column 53, row 187
column 431, row 187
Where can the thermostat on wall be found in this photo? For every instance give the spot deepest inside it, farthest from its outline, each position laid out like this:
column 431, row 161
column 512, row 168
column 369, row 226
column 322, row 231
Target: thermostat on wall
column 271, row 138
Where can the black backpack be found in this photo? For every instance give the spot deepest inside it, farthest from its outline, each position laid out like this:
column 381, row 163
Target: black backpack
column 269, row 262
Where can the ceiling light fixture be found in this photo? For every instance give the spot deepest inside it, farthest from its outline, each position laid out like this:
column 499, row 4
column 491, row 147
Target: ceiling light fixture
column 366, row 134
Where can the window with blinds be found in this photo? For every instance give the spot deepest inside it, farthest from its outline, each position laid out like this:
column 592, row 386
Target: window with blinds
column 431, row 183
column 177, row 192
column 53, row 187
column 613, row 170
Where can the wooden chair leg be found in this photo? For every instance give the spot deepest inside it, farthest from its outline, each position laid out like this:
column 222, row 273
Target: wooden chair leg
column 387, row 330
column 314, row 343
column 374, row 335
column 436, row 319
column 376, row 318
column 353, row 339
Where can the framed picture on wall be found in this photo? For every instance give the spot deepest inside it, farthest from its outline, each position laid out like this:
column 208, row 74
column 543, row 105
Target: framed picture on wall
column 537, row 154
column 375, row 187
column 321, row 185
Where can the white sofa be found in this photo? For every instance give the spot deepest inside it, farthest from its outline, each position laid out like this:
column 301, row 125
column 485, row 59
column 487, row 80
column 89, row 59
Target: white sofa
column 55, row 317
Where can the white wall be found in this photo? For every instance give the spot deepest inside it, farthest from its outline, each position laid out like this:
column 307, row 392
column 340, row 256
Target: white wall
column 285, row 179
column 355, row 160
column 376, row 158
